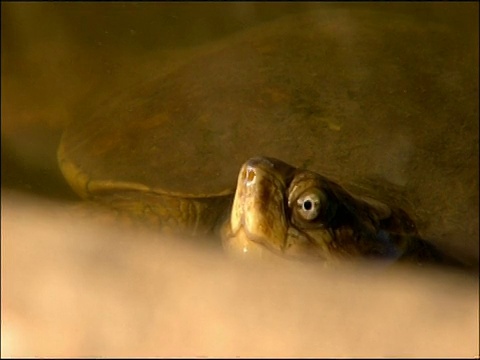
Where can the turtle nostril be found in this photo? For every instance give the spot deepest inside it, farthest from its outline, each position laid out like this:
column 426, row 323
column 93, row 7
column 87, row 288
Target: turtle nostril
column 243, row 174
column 250, row 175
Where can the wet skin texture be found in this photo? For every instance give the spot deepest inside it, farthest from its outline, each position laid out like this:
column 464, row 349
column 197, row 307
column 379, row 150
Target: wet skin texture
column 295, row 213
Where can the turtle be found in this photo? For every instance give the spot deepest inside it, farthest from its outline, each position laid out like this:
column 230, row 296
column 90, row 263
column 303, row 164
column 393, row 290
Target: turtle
column 381, row 110
column 279, row 209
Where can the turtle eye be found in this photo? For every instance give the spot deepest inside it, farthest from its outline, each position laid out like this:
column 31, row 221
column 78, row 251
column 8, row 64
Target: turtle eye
column 309, row 205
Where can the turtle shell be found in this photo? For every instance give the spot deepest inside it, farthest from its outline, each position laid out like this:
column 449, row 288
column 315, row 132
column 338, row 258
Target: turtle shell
column 388, row 104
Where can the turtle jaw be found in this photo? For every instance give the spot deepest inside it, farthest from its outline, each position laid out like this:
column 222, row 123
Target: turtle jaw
column 257, row 224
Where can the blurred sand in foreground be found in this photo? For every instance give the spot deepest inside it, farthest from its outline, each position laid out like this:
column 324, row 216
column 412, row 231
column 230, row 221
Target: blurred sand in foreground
column 72, row 287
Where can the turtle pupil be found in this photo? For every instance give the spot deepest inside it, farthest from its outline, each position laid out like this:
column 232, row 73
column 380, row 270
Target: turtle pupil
column 307, row 205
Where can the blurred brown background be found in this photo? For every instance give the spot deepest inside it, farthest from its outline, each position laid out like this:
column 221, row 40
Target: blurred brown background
column 59, row 58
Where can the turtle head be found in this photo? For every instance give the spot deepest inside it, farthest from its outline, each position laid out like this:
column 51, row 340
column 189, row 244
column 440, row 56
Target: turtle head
column 282, row 210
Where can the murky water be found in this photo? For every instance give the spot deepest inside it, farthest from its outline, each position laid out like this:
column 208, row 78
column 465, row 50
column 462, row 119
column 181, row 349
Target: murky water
column 61, row 60
column 55, row 63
